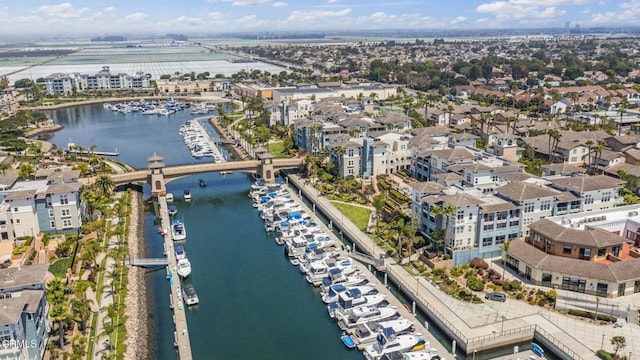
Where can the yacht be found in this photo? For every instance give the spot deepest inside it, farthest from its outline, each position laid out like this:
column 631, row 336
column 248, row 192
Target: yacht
column 367, row 333
column 169, row 198
column 180, row 253
column 388, row 342
column 432, row 354
column 334, row 291
column 189, row 295
column 187, row 195
column 178, row 230
column 183, row 267
column 351, row 299
column 356, row 316
column 336, row 276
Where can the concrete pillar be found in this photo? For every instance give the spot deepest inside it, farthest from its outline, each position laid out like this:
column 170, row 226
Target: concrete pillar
column 413, row 307
column 385, row 279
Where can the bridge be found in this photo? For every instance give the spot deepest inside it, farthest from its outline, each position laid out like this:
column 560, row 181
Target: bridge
column 158, row 175
column 147, row 262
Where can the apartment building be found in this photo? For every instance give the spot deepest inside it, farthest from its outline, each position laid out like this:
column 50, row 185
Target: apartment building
column 24, row 324
column 65, row 84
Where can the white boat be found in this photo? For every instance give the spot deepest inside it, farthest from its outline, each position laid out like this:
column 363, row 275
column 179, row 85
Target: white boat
column 169, row 198
column 336, row 276
column 189, row 295
column 367, row 333
column 187, row 195
column 356, row 316
column 318, row 270
column 334, row 291
column 178, row 230
column 432, row 354
column 183, row 267
column 351, row 299
column 180, row 253
column 388, row 342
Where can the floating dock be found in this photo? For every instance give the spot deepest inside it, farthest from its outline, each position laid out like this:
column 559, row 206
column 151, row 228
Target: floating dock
column 212, row 142
column 181, row 334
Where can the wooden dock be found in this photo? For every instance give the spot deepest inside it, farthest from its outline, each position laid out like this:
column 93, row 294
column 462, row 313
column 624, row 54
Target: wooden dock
column 212, row 142
column 181, row 334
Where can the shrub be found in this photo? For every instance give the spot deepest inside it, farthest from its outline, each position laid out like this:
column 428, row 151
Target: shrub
column 475, row 284
column 602, row 354
column 478, row 263
column 513, row 285
column 439, row 271
column 590, row 315
column 456, row 271
column 519, row 296
column 542, row 302
column 446, row 256
column 19, row 250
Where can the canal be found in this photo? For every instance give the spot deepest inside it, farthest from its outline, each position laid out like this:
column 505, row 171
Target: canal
column 253, row 303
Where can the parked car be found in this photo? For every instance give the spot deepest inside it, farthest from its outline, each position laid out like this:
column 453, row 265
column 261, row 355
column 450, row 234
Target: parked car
column 496, row 296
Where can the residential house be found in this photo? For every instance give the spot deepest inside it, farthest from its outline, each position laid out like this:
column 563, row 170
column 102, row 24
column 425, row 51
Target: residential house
column 597, row 192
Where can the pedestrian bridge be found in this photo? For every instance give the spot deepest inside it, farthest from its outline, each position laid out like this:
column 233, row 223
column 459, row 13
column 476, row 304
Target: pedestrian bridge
column 158, row 175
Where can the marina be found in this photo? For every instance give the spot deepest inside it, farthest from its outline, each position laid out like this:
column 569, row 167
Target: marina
column 199, row 142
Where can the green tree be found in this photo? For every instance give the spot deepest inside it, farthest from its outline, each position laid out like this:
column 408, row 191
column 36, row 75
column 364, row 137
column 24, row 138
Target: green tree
column 104, row 184
column 619, row 342
column 378, row 204
column 26, row 169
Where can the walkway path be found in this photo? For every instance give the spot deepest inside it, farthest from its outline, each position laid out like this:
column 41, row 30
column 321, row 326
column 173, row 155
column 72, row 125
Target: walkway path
column 482, row 324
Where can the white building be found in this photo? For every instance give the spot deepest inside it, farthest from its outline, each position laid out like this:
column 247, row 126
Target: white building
column 598, row 192
column 65, row 84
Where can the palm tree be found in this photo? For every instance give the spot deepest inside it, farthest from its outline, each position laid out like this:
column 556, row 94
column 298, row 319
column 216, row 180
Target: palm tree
column 598, row 151
column 81, row 311
column 622, row 109
column 378, row 204
column 447, row 211
column 589, row 144
column 554, row 138
column 104, row 184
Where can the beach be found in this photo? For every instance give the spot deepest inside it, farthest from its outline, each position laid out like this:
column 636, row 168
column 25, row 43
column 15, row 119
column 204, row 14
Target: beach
column 136, row 301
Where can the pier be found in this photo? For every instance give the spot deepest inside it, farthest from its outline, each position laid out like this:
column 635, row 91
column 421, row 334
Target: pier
column 147, row 262
column 212, row 142
column 181, row 333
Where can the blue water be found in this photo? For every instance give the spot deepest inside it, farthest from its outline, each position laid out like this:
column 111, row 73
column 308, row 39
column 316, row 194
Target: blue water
column 253, row 303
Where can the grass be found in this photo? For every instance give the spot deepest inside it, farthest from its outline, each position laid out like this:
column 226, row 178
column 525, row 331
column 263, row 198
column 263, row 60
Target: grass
column 60, row 266
column 277, row 149
column 358, row 215
column 92, row 335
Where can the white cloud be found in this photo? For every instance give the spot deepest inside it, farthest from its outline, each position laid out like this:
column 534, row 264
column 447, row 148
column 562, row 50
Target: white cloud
column 62, row 11
column 247, row 2
column 279, row 4
column 109, row 9
column 629, row 14
column 506, row 10
column 186, row 21
column 251, row 22
column 331, row 1
column 216, row 15
column 458, row 20
column 313, row 15
column 139, row 16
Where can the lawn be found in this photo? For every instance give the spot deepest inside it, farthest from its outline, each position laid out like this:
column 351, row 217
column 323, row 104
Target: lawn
column 277, row 149
column 60, row 266
column 358, row 215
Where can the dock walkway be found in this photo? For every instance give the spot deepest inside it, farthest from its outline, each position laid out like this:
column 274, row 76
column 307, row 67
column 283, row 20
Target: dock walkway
column 181, row 335
column 214, row 144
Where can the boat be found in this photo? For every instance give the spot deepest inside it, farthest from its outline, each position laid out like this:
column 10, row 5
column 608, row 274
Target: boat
column 183, row 267
column 169, row 198
column 226, row 172
column 432, row 354
column 351, row 299
column 353, row 317
column 388, row 342
column 172, row 210
column 334, row 291
column 202, row 183
column 180, row 253
column 178, row 230
column 336, row 276
column 368, row 332
column 187, row 195
column 347, row 341
column 189, row 295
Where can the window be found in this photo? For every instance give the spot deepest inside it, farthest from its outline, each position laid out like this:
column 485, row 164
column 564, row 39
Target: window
column 487, row 227
column 500, row 239
column 66, row 223
column 459, row 229
column 488, row 217
column 350, row 152
column 566, row 249
column 66, row 212
column 17, row 221
column 529, row 207
column 574, row 158
column 53, row 224
column 50, row 213
column 546, row 205
column 588, row 199
column 606, row 197
column 546, row 277
column 460, row 215
column 513, row 236
column 602, row 252
column 64, row 199
column 487, row 241
column 513, row 223
column 501, row 225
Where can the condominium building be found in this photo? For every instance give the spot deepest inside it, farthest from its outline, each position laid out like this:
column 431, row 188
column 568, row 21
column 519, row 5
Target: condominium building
column 65, row 84
column 24, row 323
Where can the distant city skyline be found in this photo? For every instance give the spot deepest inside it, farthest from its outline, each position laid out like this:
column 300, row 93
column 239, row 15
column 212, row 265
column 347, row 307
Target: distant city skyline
column 95, row 18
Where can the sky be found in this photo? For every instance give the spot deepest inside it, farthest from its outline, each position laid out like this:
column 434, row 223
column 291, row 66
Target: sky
column 114, row 17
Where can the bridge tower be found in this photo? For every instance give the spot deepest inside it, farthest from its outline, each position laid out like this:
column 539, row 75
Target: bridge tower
column 156, row 177
column 265, row 168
